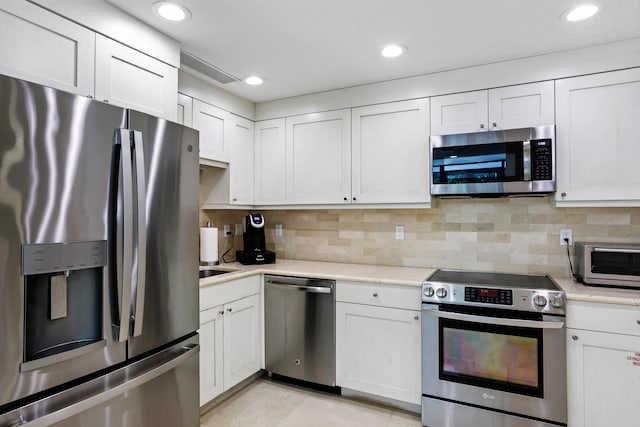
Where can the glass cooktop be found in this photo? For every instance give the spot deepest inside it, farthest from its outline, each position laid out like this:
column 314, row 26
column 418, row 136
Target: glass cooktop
column 501, row 280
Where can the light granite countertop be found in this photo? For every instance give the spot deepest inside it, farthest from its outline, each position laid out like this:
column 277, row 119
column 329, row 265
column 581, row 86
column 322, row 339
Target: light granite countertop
column 578, row 292
column 403, row 276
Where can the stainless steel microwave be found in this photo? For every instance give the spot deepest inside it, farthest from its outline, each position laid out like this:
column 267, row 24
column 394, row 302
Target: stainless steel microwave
column 608, row 264
column 498, row 163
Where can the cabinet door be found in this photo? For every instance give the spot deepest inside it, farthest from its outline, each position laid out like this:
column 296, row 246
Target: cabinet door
column 318, row 158
column 521, row 106
column 459, row 113
column 39, row 46
column 211, row 354
column 242, row 352
column 214, row 126
column 390, row 153
column 242, row 165
column 603, row 374
column 378, row 351
column 184, row 114
column 597, row 141
column 270, row 162
column 130, row 79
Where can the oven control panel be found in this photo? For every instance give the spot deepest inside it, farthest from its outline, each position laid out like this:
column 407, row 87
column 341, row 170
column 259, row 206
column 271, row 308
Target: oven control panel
column 488, row 295
column 535, row 300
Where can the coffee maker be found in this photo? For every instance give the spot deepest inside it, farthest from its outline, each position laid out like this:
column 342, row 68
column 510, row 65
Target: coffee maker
column 255, row 251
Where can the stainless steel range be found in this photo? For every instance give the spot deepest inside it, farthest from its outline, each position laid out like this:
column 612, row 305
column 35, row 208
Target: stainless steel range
column 493, row 350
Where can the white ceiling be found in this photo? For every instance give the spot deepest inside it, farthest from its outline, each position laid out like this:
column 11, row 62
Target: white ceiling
column 306, row 46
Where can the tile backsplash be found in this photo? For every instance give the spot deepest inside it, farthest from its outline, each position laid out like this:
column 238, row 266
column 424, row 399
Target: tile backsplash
column 516, row 235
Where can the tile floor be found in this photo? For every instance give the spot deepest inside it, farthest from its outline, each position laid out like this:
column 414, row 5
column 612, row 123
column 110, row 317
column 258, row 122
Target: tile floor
column 273, row 404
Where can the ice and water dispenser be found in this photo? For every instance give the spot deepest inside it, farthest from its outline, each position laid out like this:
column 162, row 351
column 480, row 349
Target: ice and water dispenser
column 63, row 300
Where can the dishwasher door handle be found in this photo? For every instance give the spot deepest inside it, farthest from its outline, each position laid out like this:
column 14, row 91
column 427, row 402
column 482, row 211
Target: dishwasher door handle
column 292, row 287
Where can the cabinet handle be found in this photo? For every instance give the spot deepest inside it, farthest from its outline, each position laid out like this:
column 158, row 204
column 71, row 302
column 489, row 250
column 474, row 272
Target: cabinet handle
column 234, row 200
column 638, row 322
column 574, row 337
column 482, row 126
column 563, row 194
column 375, row 295
column 221, row 312
column 90, row 96
column 345, row 199
column 106, row 100
column 494, row 125
column 229, row 309
column 354, row 199
column 416, row 317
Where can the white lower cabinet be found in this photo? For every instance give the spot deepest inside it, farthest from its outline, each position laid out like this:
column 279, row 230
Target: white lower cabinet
column 230, row 335
column 603, row 365
column 378, row 347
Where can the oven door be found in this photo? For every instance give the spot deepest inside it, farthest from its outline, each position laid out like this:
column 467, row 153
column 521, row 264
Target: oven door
column 508, row 361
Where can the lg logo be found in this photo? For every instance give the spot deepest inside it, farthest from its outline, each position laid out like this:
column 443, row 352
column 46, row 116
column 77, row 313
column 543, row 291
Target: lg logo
column 488, row 396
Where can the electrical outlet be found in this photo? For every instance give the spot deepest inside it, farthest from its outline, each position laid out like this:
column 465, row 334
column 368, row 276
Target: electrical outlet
column 238, row 229
column 566, row 237
column 399, row 232
column 226, row 229
column 278, row 230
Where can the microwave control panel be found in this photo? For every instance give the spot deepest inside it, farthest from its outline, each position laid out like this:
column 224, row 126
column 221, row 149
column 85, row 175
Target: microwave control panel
column 541, row 160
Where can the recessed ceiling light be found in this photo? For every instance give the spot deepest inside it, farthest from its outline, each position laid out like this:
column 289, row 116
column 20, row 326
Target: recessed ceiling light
column 253, row 80
column 581, row 12
column 393, row 50
column 171, row 11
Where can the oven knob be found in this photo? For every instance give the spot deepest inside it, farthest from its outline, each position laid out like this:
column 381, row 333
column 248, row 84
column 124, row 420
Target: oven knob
column 557, row 301
column 540, row 300
column 441, row 293
column 428, row 292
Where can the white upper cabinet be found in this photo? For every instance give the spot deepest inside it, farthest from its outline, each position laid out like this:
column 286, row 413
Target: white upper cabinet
column 508, row 107
column 390, row 153
column 41, row 47
column 130, row 79
column 597, row 141
column 459, row 113
column 528, row 105
column 241, row 167
column 184, row 113
column 270, row 162
column 318, row 158
column 215, row 131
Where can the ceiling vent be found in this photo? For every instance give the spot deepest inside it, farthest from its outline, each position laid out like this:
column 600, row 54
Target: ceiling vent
column 207, row 69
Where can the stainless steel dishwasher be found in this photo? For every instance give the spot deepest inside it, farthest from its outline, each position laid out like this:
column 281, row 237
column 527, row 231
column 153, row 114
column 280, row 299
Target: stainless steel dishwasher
column 300, row 328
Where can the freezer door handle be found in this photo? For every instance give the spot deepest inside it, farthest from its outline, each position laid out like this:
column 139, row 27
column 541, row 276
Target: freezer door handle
column 67, row 411
column 122, row 138
column 140, row 261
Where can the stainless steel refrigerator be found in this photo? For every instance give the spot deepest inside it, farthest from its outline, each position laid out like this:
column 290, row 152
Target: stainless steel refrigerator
column 98, row 263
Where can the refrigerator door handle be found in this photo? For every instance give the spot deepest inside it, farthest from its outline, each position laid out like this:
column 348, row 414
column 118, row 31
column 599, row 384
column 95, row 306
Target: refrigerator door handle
column 123, row 139
column 141, row 263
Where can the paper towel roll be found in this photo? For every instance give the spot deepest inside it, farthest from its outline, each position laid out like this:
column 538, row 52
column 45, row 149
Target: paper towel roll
column 209, row 245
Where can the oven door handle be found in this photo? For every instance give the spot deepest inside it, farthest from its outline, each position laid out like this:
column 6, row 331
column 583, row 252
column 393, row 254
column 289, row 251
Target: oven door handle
column 548, row 323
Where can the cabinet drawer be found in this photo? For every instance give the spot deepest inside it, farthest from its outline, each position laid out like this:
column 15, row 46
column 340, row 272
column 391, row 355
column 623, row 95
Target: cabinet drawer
column 407, row 297
column 621, row 319
column 229, row 291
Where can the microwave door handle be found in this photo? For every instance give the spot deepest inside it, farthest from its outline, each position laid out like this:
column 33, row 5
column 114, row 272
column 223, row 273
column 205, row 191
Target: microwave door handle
column 520, row 323
column 124, row 277
column 526, row 160
column 617, row 250
column 141, row 264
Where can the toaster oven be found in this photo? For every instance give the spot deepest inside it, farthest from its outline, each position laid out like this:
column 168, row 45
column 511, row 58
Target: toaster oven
column 608, row 264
